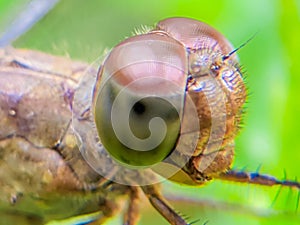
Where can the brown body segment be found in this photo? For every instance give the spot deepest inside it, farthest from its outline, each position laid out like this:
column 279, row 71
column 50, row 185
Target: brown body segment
column 42, row 173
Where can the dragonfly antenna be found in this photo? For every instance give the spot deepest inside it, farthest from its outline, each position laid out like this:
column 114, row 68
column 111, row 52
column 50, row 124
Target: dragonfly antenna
column 238, row 48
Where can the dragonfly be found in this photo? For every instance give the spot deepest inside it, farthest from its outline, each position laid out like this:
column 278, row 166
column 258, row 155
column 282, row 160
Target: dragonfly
column 88, row 189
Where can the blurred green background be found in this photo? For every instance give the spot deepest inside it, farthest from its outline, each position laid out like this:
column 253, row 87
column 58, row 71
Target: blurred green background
column 271, row 134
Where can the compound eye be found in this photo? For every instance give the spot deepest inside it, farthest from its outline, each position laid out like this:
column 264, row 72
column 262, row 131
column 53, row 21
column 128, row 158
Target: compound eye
column 195, row 34
column 139, row 101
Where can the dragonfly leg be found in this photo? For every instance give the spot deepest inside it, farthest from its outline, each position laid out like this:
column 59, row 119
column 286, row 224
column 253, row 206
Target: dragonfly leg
column 257, row 178
column 161, row 205
column 131, row 217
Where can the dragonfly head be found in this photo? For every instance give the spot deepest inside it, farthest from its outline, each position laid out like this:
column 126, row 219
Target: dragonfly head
column 171, row 101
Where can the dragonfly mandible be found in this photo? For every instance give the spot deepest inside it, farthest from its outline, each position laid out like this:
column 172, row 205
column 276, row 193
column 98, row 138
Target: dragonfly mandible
column 60, row 81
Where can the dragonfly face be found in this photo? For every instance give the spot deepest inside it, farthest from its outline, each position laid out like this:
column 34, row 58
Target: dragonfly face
column 204, row 106
column 182, row 62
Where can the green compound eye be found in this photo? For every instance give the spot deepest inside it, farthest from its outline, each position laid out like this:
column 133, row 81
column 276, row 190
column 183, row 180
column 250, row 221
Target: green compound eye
column 139, row 102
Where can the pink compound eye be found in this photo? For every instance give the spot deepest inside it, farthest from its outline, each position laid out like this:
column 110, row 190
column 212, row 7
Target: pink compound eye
column 195, row 34
column 139, row 103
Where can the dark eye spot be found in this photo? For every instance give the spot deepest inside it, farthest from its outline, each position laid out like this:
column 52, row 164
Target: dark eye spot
column 139, row 108
column 215, row 67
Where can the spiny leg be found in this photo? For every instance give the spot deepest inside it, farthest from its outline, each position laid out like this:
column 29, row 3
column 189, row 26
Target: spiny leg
column 131, row 217
column 161, row 205
column 257, row 178
column 260, row 179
